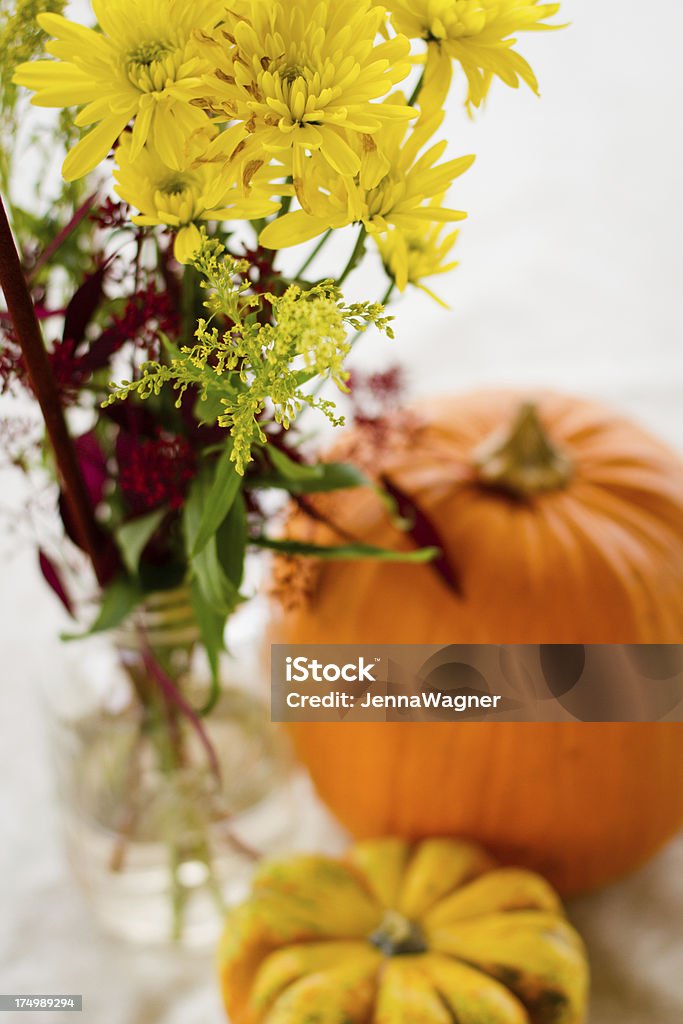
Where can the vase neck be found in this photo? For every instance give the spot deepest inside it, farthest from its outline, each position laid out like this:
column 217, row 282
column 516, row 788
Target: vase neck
column 164, row 621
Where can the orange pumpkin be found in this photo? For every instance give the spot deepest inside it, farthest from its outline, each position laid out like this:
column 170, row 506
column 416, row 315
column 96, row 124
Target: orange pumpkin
column 560, row 522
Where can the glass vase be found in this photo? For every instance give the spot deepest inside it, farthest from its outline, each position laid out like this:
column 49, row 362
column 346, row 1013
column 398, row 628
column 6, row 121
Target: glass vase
column 166, row 809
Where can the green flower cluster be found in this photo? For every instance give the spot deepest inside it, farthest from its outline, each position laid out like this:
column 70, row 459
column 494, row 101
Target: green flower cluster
column 21, row 39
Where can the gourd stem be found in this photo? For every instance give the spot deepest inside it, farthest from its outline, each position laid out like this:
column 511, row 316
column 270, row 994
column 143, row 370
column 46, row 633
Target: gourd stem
column 524, row 461
column 397, row 936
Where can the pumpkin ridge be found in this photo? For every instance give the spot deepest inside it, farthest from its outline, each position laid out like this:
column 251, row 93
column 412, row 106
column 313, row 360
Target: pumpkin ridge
column 541, row 1007
column 437, row 963
column 454, row 1017
column 607, row 554
column 620, row 559
column 537, row 958
column 604, row 501
column 643, row 491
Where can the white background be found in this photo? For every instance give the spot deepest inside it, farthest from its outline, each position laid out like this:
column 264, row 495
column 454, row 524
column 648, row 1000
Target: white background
column 572, row 271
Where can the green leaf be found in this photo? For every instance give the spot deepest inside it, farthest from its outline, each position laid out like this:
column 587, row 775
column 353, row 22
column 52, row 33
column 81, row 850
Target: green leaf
column 304, row 376
column 118, row 601
column 216, row 587
column 291, row 470
column 231, row 541
column 217, row 502
column 170, row 347
column 212, row 628
column 333, row 476
column 133, row 537
column 208, row 408
column 346, row 551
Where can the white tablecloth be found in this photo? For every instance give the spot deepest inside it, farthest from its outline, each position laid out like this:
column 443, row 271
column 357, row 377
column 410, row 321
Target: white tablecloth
column 572, row 263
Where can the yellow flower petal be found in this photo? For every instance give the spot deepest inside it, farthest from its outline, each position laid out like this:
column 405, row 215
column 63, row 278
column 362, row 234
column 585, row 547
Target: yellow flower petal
column 56, row 84
column 187, row 243
column 93, row 147
column 338, row 153
column 292, row 229
column 409, row 256
column 480, row 36
column 141, row 53
column 303, row 78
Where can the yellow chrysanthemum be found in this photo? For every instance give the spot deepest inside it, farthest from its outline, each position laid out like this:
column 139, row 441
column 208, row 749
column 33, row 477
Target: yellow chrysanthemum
column 478, row 34
column 410, row 257
column 182, row 197
column 141, row 65
column 304, row 78
column 406, row 196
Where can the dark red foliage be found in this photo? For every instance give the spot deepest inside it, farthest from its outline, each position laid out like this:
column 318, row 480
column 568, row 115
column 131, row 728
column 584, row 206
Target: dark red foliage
column 134, row 418
column 69, row 373
column 422, row 531
column 93, row 463
column 261, row 274
column 146, row 314
column 84, row 303
column 74, row 359
column 154, row 472
column 112, row 213
column 376, row 395
column 388, row 385
column 53, row 578
column 12, row 369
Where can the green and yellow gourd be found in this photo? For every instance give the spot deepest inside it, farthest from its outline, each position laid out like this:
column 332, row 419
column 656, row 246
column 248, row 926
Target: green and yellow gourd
column 399, row 934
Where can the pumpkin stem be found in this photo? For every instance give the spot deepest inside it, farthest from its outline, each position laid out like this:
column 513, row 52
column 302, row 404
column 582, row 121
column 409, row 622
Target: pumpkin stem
column 397, row 936
column 524, row 462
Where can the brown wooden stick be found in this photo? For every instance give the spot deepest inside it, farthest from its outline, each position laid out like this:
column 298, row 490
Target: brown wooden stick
column 20, row 307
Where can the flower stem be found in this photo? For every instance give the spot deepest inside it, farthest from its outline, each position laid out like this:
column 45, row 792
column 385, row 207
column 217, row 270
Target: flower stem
column 178, row 894
column 175, row 699
column 190, row 303
column 417, row 90
column 313, row 253
column 285, row 205
column 126, row 828
column 355, row 255
column 388, row 293
column 20, row 306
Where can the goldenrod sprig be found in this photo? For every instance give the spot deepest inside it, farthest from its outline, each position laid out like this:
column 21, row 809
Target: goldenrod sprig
column 250, row 372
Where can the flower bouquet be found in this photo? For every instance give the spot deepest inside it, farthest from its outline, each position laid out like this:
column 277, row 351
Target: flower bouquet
column 176, row 355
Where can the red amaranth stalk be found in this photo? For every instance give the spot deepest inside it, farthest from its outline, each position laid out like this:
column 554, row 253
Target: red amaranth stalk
column 175, row 698
column 28, row 334
column 57, row 242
